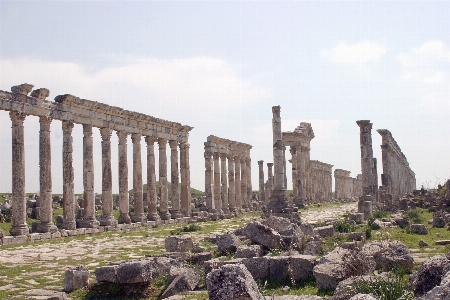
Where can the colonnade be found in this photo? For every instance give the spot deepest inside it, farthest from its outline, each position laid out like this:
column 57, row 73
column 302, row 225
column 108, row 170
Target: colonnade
column 72, row 110
column 228, row 184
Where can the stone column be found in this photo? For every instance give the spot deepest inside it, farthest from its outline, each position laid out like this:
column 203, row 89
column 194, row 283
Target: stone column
column 45, row 180
column 186, row 209
column 217, row 187
column 366, row 155
column 88, row 220
column 175, row 211
column 69, row 222
column 151, row 180
column 224, row 183
column 237, row 183
column 19, row 208
column 300, row 183
column 231, row 184
column 278, row 200
column 284, row 167
column 244, row 184
column 137, row 180
column 124, row 201
column 295, row 177
column 261, row 180
column 248, row 174
column 164, row 204
column 209, row 178
column 107, row 218
column 270, row 176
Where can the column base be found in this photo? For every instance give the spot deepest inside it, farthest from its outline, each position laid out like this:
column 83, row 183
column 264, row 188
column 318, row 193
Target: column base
column 19, row 230
column 139, row 218
column 89, row 222
column 38, row 227
column 124, row 219
column 153, row 217
column 107, row 220
column 299, row 202
column 165, row 215
column 69, row 225
column 175, row 213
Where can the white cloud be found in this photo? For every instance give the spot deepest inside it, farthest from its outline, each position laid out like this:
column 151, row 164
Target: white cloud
column 355, row 54
column 430, row 52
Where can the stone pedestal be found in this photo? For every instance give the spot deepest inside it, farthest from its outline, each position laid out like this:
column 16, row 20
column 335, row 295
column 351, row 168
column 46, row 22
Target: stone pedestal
column 151, row 180
column 124, row 202
column 68, row 177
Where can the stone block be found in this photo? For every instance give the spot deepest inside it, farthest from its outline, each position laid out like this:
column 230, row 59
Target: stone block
column 14, row 240
column 46, row 236
column 227, row 243
column 187, row 280
column 419, row 229
column 324, row 231
column 248, row 251
column 257, row 266
column 279, row 268
column 34, row 237
column 178, row 243
column 106, row 273
column 63, row 233
column 357, row 217
column 76, row 278
column 301, row 266
column 56, row 235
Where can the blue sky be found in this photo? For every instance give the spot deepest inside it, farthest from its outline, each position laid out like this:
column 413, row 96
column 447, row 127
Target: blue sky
column 220, row 66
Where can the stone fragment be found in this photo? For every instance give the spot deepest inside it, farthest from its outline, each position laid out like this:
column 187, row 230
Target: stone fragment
column 400, row 220
column 422, row 243
column 232, row 282
column 377, row 224
column 438, row 221
column 263, row 235
column 227, row 243
column 107, row 273
column 440, row 292
column 186, row 280
column 443, row 242
column 76, row 278
column 301, row 266
column 313, row 248
column 324, row 231
column 248, row 251
column 394, row 254
column 357, row 217
column 279, row 268
column 429, row 274
column 307, row 228
column 257, row 266
column 357, row 236
column 178, row 243
column 419, row 229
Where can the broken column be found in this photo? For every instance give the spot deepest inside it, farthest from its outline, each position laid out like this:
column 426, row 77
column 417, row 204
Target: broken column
column 366, row 156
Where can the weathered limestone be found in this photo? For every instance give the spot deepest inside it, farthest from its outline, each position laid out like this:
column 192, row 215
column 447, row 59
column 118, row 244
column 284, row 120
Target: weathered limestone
column 217, row 187
column 366, row 157
column 343, row 184
column 151, row 180
column 261, row 180
column 209, row 177
column 137, row 180
column 185, row 180
column 237, row 173
column 270, row 178
column 107, row 218
column 45, row 179
column 69, row 222
column 397, row 177
column 174, row 178
column 357, row 186
column 163, row 187
column 244, row 205
column 224, row 183
column 124, row 203
column 88, row 219
column 321, row 189
column 248, row 162
column 19, row 209
column 231, row 184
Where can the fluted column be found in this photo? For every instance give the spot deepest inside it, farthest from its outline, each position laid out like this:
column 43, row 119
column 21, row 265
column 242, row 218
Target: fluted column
column 19, row 208
column 237, row 179
column 217, row 187
column 244, row 183
column 151, row 180
column 261, row 180
column 164, row 203
column 107, row 218
column 45, row 180
column 209, row 178
column 174, row 178
column 88, row 220
column 68, row 178
column 124, row 200
column 224, row 183
column 185, row 180
column 137, row 180
column 231, row 185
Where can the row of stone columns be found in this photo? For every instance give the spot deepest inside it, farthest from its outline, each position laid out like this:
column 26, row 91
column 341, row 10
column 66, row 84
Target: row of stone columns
column 88, row 218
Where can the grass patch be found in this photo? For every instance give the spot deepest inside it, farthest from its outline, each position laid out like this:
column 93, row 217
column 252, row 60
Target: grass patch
column 343, row 226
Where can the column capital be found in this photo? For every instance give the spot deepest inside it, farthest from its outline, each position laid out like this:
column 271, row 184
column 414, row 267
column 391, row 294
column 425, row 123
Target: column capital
column 223, row 156
column 173, row 144
column 41, row 93
column 260, row 163
column 276, row 111
column 105, row 133
column 122, row 135
column 67, row 127
column 162, row 143
column 230, row 157
column 216, row 155
column 184, row 146
column 136, row 138
column 364, row 124
column 22, row 89
column 45, row 120
column 150, row 140
column 17, row 118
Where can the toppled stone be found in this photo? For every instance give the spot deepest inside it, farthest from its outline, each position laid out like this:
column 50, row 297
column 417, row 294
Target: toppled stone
column 443, row 242
column 395, row 254
column 232, row 282
column 227, row 243
column 324, row 231
column 263, row 235
column 248, row 251
column 186, row 280
column 76, row 278
column 178, row 243
column 422, row 243
column 357, row 236
column 429, row 274
column 301, row 266
column 400, row 220
column 377, row 224
column 307, row 229
column 357, row 217
column 438, row 222
column 313, row 248
column 419, row 229
column 257, row 266
column 291, row 233
column 440, row 292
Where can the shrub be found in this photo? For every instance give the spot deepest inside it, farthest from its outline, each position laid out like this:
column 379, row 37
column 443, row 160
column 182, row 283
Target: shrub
column 368, row 232
column 186, row 228
column 379, row 214
column 391, row 287
column 343, row 226
column 414, row 216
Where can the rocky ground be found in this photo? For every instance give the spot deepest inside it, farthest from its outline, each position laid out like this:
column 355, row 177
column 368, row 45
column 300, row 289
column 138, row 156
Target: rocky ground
column 35, row 270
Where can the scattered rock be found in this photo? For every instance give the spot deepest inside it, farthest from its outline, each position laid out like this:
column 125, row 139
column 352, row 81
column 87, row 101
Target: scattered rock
column 429, row 274
column 248, row 251
column 76, row 278
column 186, row 280
column 263, row 235
column 422, row 243
column 178, row 243
column 324, row 231
column 419, row 229
column 227, row 243
column 440, row 292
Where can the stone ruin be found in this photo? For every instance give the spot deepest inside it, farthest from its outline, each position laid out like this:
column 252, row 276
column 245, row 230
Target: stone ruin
column 71, row 110
column 345, row 186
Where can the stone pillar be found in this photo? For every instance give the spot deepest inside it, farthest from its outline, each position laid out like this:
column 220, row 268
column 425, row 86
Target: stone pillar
column 19, row 208
column 209, row 178
column 69, row 222
column 366, row 155
column 224, row 183
column 237, row 183
column 45, row 180
column 124, row 201
column 88, row 220
column 375, row 181
column 107, row 218
column 175, row 211
column 164, row 204
column 244, row 184
column 297, row 199
column 151, row 180
column 186, row 209
column 270, row 176
column 278, row 200
column 137, row 180
column 261, row 180
column 284, row 167
column 248, row 174
column 217, row 187
column 231, row 184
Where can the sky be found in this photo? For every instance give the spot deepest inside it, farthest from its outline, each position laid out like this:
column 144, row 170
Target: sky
column 219, row 66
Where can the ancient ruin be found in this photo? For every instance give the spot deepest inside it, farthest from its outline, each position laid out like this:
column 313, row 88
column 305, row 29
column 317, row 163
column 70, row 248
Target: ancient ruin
column 71, row 110
column 227, row 192
column 346, row 187
column 321, row 187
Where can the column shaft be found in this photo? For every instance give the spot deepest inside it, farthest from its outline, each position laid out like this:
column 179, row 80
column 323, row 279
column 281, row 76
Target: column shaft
column 137, row 180
column 209, row 178
column 244, row 184
column 124, row 201
column 231, row 184
column 217, row 187
column 224, row 183
column 185, row 180
column 69, row 222
column 151, row 180
column 164, row 204
column 174, row 178
column 107, row 218
column 237, row 178
column 261, row 181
